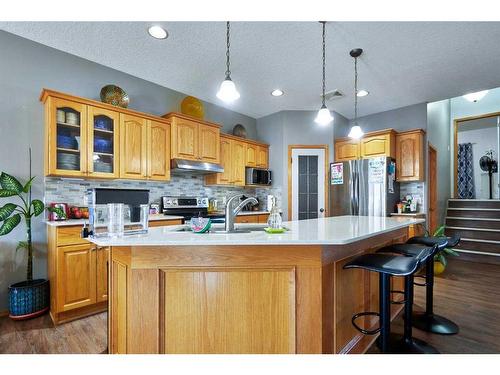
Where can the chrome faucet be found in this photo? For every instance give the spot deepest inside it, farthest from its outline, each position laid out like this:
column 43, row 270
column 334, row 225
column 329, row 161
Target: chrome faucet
column 232, row 212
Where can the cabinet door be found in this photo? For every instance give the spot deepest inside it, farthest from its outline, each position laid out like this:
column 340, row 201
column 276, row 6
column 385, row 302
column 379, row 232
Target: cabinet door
column 375, row 146
column 238, row 163
column 262, row 157
column 226, row 162
column 251, row 155
column 76, row 279
column 103, row 141
column 409, row 157
column 158, row 151
column 247, row 219
column 209, row 144
column 102, row 273
column 185, row 138
column 346, row 150
column 133, row 147
column 66, row 137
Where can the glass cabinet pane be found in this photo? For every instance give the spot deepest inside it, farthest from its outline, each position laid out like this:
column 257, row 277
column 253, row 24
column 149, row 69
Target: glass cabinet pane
column 103, row 147
column 68, row 138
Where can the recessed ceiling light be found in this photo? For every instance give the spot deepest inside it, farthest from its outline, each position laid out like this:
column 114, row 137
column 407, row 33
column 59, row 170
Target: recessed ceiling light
column 475, row 96
column 277, row 92
column 362, row 93
column 158, row 32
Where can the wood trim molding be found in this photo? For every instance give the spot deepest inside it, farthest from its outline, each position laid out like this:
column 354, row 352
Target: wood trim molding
column 327, row 166
column 455, row 144
column 4, row 313
column 373, row 133
column 46, row 93
column 190, row 118
column 244, row 140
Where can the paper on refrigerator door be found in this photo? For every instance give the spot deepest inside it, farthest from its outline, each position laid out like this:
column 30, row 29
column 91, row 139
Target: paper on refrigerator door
column 336, row 173
column 376, row 170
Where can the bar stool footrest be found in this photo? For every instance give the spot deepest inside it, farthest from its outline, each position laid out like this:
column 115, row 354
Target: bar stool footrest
column 402, row 302
column 362, row 330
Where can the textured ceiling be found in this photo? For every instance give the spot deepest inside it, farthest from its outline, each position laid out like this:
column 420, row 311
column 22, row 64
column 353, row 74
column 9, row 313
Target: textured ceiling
column 404, row 63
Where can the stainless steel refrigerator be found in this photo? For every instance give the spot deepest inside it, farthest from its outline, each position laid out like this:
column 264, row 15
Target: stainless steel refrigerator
column 364, row 187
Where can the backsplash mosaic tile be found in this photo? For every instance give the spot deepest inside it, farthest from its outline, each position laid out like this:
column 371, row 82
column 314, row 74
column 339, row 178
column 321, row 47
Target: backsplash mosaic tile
column 72, row 191
column 417, row 190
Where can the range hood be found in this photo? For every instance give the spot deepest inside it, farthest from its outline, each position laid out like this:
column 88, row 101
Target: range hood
column 194, row 167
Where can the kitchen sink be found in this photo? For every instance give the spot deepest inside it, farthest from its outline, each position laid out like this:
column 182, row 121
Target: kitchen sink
column 219, row 229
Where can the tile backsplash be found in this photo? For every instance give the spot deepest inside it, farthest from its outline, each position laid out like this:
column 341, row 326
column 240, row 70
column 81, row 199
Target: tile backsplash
column 72, row 191
column 417, row 190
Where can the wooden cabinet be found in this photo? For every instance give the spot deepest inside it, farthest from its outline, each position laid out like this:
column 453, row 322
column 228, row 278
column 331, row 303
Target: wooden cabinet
column 78, row 274
column 410, row 156
column 236, row 154
column 346, row 149
column 382, row 143
column 238, row 163
column 158, row 150
column 184, row 139
column 133, row 145
column 76, row 267
column 251, row 155
column 194, row 139
column 65, row 138
column 252, row 219
column 85, row 138
column 209, row 143
column 262, row 157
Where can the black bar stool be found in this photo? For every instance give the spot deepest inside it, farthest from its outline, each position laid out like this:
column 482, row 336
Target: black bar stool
column 428, row 321
column 407, row 344
column 386, row 265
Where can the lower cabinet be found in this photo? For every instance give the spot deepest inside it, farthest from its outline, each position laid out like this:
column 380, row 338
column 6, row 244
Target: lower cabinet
column 252, row 219
column 78, row 274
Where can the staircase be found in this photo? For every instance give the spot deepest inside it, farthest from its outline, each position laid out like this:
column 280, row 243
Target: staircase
column 477, row 222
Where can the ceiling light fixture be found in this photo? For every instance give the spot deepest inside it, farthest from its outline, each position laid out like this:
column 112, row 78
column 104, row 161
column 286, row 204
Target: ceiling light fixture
column 277, row 92
column 362, row 93
column 475, row 96
column 158, row 32
column 324, row 116
column 227, row 91
column 356, row 131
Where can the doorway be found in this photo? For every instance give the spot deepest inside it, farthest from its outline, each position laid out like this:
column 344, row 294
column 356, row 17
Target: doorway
column 475, row 138
column 433, row 213
column 307, row 179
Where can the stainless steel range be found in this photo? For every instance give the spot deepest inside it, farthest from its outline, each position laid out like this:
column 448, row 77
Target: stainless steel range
column 188, row 207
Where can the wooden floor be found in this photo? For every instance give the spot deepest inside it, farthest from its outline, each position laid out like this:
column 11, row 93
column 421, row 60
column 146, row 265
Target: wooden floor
column 468, row 293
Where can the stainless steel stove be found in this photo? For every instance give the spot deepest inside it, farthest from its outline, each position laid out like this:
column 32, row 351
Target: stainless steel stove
column 188, row 207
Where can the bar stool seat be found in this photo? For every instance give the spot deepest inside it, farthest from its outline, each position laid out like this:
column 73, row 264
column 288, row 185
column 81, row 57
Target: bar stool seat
column 386, row 265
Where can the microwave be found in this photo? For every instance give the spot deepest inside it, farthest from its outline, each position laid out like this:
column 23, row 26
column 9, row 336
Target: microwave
column 257, row 176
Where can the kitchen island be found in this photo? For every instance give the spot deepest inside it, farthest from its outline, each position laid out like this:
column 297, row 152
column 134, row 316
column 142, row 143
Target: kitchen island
column 174, row 291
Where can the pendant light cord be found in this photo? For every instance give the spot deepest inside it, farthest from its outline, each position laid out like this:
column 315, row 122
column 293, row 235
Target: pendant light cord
column 323, row 96
column 228, row 72
column 356, row 90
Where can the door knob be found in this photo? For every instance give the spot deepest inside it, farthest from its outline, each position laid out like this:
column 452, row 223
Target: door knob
column 321, row 210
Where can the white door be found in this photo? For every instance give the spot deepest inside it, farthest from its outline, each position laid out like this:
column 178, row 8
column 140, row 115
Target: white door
column 308, row 183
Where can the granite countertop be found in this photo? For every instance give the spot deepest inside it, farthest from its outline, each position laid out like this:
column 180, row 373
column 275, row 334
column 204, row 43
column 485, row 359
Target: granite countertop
column 339, row 230
column 70, row 222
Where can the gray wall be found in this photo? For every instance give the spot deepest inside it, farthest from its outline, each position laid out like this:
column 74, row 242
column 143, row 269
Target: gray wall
column 294, row 127
column 401, row 119
column 438, row 134
column 27, row 67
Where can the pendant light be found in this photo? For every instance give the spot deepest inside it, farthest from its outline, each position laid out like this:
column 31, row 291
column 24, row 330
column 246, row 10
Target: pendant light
column 356, row 131
column 227, row 91
column 324, row 116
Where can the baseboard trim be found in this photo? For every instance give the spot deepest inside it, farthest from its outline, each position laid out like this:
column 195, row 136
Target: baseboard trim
column 4, row 313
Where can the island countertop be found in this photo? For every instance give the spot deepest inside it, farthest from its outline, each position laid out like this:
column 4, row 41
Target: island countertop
column 339, row 230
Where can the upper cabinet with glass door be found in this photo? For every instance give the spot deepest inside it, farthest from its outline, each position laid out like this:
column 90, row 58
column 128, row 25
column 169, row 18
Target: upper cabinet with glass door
column 103, row 137
column 66, row 137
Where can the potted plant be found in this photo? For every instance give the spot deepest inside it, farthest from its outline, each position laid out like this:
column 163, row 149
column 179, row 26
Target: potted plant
column 28, row 298
column 440, row 261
